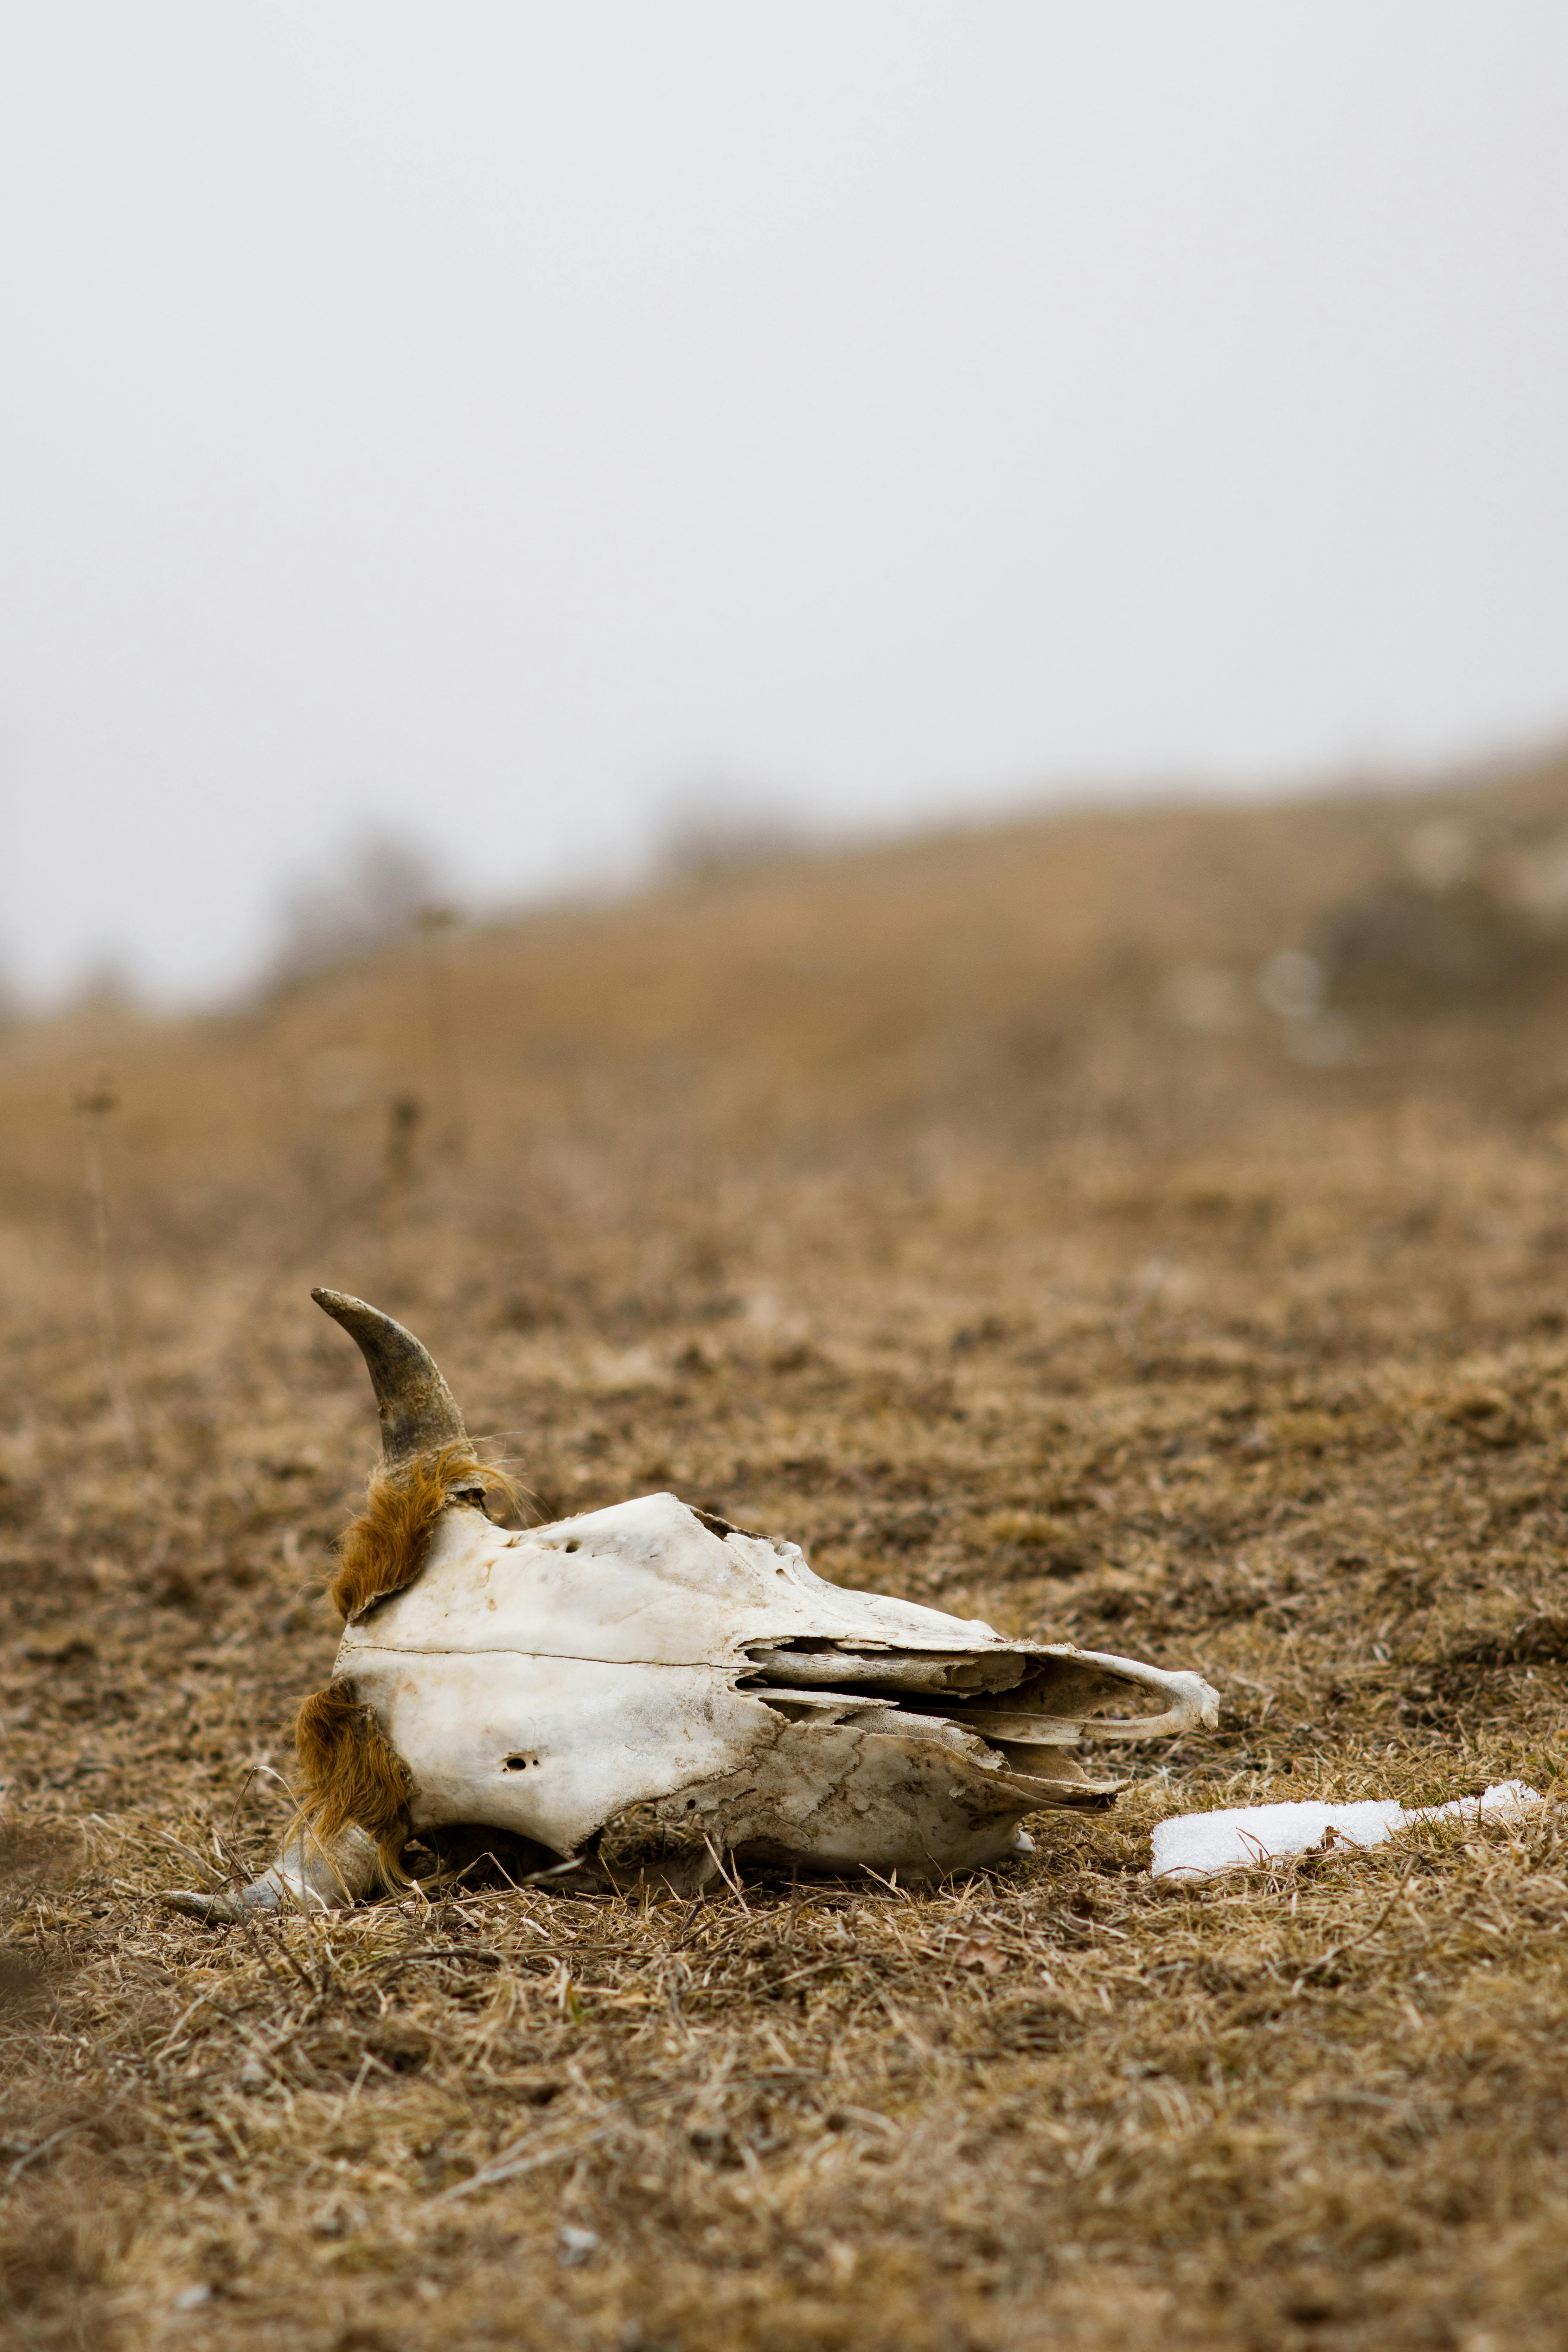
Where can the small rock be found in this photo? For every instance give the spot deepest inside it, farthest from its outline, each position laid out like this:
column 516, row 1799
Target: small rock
column 574, row 2245
column 193, row 2298
column 252, row 2074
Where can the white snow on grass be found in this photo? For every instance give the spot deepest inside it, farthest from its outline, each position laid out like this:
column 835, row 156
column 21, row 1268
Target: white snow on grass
column 1196, row 1846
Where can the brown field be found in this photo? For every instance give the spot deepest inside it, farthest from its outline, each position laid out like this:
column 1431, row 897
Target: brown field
column 959, row 1208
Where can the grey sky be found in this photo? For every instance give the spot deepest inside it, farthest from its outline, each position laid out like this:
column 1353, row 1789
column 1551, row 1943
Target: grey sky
column 505, row 423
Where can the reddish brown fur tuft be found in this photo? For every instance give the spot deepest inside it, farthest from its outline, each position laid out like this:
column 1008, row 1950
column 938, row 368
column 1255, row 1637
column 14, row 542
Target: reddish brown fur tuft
column 349, row 1772
column 385, row 1547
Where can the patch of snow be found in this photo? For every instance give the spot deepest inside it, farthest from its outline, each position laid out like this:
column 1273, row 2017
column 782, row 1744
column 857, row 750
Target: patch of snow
column 1196, row 1846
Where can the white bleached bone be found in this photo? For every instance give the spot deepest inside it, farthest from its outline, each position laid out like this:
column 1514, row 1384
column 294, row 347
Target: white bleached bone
column 649, row 1655
column 1199, row 1845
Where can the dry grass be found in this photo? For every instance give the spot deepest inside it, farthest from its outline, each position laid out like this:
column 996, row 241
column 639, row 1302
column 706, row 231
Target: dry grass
column 896, row 1203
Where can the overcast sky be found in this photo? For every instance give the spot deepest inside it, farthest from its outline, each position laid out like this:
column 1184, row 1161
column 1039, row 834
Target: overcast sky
column 503, row 425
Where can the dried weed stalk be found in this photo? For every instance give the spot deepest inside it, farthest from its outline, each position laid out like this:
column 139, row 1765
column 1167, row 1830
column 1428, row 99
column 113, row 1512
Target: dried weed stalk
column 94, row 1105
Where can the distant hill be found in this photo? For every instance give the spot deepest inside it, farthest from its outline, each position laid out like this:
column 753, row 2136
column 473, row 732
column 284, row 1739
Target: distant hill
column 980, row 980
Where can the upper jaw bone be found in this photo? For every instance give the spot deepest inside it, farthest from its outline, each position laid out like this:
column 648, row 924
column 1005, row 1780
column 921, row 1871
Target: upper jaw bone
column 1193, row 1703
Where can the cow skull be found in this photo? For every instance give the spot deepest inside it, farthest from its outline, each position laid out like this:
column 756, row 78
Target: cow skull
column 653, row 1656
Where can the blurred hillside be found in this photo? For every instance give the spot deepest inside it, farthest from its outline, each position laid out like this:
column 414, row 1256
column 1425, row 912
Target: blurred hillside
column 1050, row 1001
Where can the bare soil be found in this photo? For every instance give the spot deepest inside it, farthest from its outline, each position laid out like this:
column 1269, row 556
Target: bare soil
column 958, row 1209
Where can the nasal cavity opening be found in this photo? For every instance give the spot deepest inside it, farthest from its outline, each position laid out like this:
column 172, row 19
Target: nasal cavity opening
column 519, row 1763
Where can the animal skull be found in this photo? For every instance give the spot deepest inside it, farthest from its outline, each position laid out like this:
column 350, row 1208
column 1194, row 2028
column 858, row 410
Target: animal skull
column 652, row 1656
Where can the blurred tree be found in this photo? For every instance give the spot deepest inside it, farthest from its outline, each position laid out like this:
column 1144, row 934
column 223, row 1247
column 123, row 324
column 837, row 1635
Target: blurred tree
column 376, row 892
column 716, row 828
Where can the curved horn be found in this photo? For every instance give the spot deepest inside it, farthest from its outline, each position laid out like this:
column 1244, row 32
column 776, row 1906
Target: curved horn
column 418, row 1414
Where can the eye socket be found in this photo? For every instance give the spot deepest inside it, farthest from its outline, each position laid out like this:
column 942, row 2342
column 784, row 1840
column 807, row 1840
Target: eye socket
column 572, row 1546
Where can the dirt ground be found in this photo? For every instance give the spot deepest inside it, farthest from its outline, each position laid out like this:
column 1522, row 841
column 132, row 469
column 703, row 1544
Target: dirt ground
column 970, row 1211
